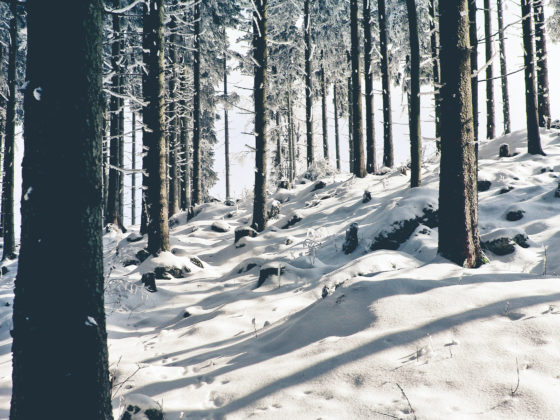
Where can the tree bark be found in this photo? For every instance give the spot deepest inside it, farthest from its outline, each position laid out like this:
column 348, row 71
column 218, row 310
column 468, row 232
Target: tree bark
column 388, row 156
column 9, row 248
column 414, row 97
column 154, row 131
column 308, row 81
column 133, row 176
column 458, row 204
column 173, row 117
column 359, row 167
column 503, row 69
column 543, row 90
column 226, row 128
column 371, row 163
column 336, row 127
column 196, row 165
column 324, row 110
column 291, row 137
column 490, row 114
column 533, row 135
column 185, row 146
column 436, row 74
column 350, row 128
column 473, row 36
column 59, row 346
column 260, row 17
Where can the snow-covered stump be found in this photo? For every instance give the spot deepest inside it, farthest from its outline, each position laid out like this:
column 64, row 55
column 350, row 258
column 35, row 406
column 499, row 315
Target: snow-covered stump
column 149, row 282
column 351, row 242
column 273, row 269
column 141, row 407
column 220, row 226
column 274, row 209
column 243, row 231
column 504, row 150
column 284, row 185
column 366, row 197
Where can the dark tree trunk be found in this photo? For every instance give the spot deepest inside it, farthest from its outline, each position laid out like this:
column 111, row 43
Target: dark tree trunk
column 533, row 135
column 434, row 43
column 9, row 250
column 542, row 65
column 473, row 36
column 106, row 158
column 458, row 204
column 359, row 167
column 172, row 132
column 490, row 114
column 324, row 110
column 146, row 39
column 260, row 17
column 414, row 97
column 388, row 156
column 133, row 176
column 185, row 146
column 371, row 163
column 196, row 165
column 350, row 128
column 308, row 81
column 60, row 340
column 226, row 127
column 291, row 137
column 278, row 157
column 336, row 128
column 503, row 69
column 2, row 130
column 154, row 131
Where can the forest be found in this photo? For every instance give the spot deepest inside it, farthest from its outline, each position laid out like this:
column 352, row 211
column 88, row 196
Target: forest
column 309, row 209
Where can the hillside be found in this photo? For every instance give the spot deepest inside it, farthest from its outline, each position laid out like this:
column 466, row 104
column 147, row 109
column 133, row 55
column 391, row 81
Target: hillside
column 385, row 333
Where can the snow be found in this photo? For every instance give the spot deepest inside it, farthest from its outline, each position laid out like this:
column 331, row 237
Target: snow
column 400, row 333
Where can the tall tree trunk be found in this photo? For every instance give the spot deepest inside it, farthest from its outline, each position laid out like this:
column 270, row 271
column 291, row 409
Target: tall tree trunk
column 196, row 165
column 359, row 168
column 503, row 68
column 350, row 128
column 388, row 156
column 324, row 110
column 260, row 17
column 458, row 204
column 9, row 250
column 533, row 135
column 133, row 177
column 308, row 81
column 112, row 215
column 226, row 127
column 434, row 43
column 173, row 118
column 473, row 36
column 336, row 128
column 542, row 65
column 278, row 157
column 414, row 97
column 291, row 137
column 490, row 114
column 61, row 212
column 106, row 157
column 154, row 131
column 371, row 163
column 185, row 145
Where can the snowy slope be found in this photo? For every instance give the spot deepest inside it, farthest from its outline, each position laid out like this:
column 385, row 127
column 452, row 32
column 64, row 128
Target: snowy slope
column 399, row 334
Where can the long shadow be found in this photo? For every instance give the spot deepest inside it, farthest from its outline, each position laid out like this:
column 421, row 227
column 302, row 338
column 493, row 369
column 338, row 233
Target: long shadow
column 374, row 346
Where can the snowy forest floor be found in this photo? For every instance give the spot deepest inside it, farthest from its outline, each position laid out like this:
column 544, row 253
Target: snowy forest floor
column 399, row 334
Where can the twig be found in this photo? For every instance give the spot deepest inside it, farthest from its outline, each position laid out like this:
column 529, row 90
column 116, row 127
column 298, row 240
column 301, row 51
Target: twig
column 513, row 391
column 384, row 414
column 408, row 401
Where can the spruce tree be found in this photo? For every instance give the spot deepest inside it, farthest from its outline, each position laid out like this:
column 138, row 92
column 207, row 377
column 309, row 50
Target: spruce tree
column 358, row 167
column 388, row 156
column 59, row 333
column 503, row 68
column 490, row 114
column 543, row 90
column 371, row 163
column 414, row 98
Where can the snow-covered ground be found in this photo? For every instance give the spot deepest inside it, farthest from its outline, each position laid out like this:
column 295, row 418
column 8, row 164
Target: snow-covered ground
column 373, row 334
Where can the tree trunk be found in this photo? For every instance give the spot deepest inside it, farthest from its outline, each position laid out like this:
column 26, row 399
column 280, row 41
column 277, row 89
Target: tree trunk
column 59, row 347
column 473, row 36
column 185, row 146
column 336, row 128
column 172, row 131
column 260, row 17
column 196, row 168
column 9, row 250
column 324, row 110
column 434, row 43
column 133, row 176
column 226, row 127
column 533, row 135
column 371, row 163
column 291, row 137
column 308, row 81
column 458, row 204
column 490, row 114
column 154, row 132
column 388, row 156
column 414, row 97
column 542, row 65
column 359, row 168
column 503, row 69
column 350, row 128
